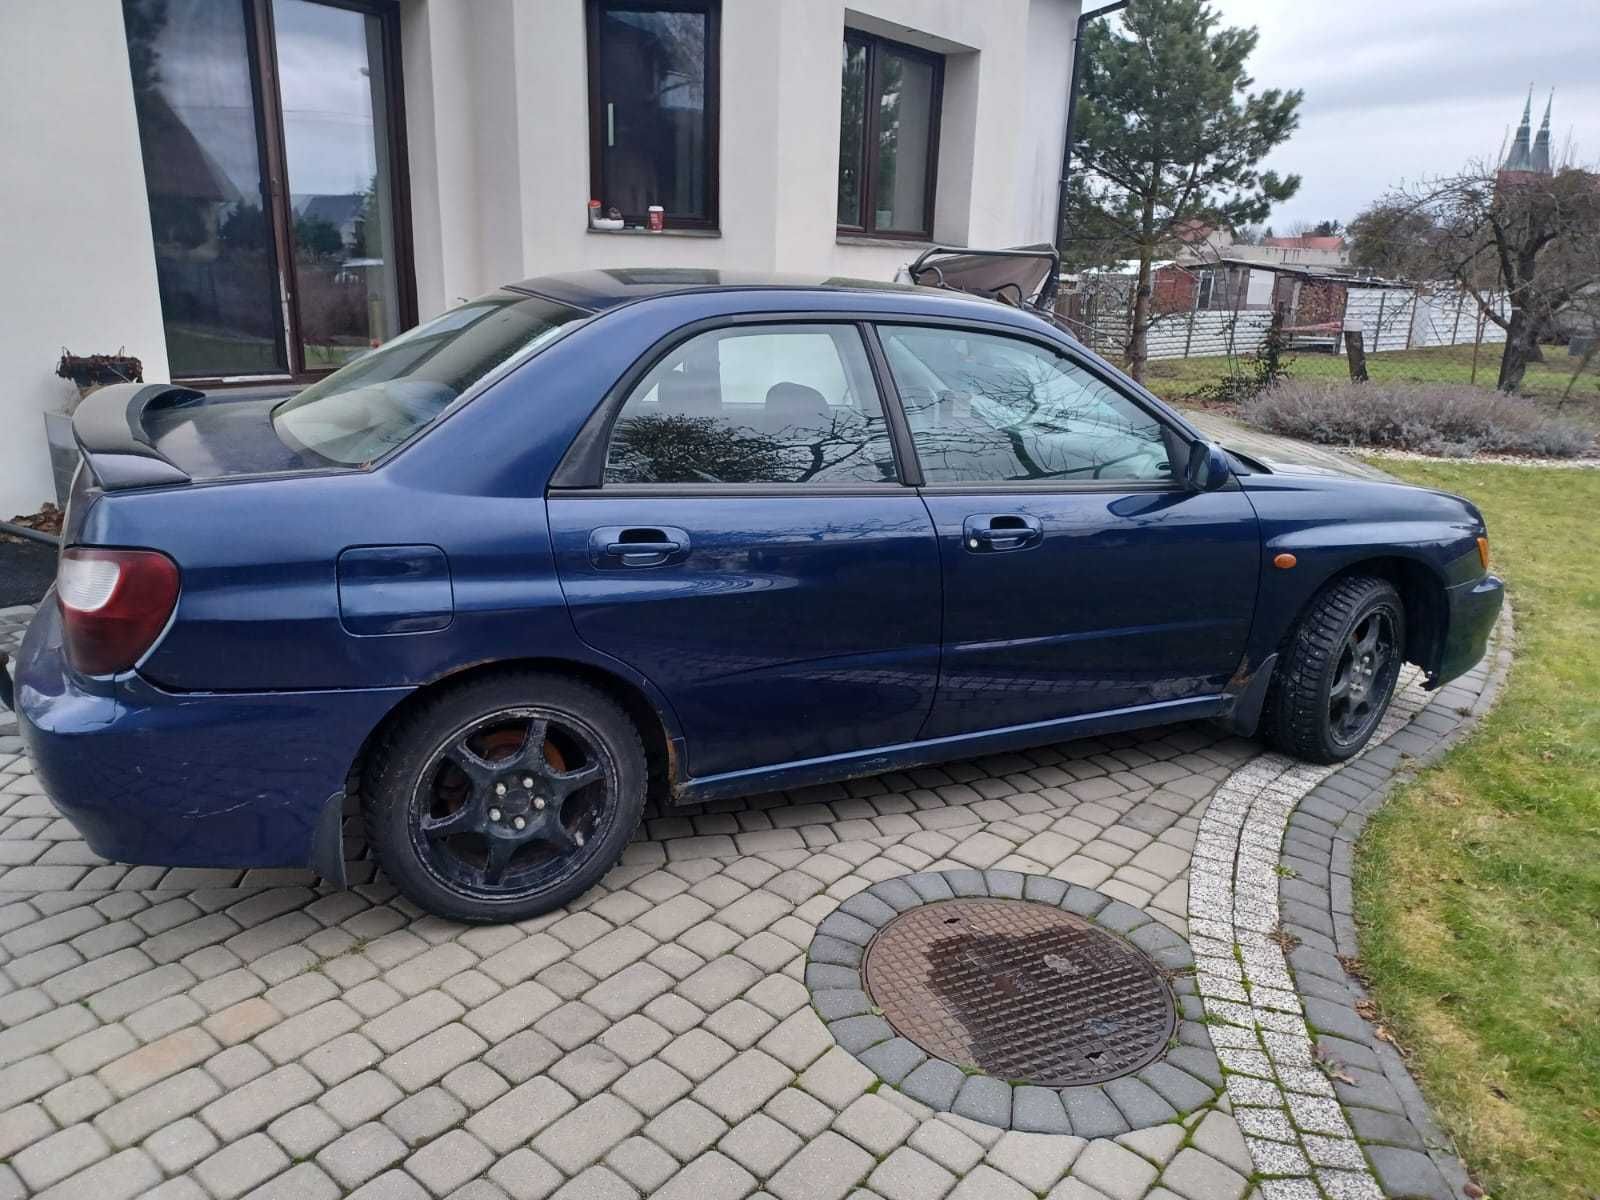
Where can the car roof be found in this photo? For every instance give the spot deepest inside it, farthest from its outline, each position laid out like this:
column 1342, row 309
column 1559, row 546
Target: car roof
column 599, row 290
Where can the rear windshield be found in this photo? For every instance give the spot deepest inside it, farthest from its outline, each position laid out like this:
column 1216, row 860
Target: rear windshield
column 382, row 400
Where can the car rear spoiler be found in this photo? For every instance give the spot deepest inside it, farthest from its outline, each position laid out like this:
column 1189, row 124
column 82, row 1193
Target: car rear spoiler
column 109, row 429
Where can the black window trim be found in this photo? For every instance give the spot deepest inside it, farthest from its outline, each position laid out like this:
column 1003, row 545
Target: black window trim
column 1010, row 486
column 582, row 469
column 865, row 226
column 713, row 118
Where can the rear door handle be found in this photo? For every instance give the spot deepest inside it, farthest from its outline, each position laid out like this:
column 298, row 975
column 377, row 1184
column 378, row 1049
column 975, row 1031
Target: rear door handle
column 615, row 546
column 996, row 533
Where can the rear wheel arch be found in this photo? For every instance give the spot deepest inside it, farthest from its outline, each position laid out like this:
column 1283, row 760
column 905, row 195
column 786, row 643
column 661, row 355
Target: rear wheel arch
column 647, row 718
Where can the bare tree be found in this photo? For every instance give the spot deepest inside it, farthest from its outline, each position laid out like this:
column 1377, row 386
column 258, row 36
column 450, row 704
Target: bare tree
column 1525, row 246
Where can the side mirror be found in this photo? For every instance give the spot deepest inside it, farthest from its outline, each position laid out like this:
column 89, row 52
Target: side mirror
column 1208, row 467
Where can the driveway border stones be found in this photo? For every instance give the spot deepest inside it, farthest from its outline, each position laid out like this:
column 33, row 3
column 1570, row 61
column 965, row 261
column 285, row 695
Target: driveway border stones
column 1186, row 1078
column 1323, row 1101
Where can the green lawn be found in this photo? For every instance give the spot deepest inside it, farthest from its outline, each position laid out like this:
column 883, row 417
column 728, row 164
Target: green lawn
column 1171, row 378
column 1478, row 886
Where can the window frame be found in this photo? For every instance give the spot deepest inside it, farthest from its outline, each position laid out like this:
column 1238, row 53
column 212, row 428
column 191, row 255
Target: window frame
column 866, row 207
column 712, row 9
column 1174, row 432
column 581, row 471
column 277, row 201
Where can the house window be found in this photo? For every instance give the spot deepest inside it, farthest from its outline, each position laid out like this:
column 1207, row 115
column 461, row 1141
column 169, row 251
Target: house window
column 888, row 137
column 653, row 68
column 274, row 170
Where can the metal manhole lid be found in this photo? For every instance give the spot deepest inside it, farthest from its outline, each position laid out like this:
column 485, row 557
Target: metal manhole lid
column 1020, row 991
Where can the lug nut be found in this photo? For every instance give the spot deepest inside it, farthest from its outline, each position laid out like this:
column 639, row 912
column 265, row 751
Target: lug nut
column 519, row 822
column 499, row 789
column 494, row 814
column 578, row 838
column 538, row 802
column 527, row 781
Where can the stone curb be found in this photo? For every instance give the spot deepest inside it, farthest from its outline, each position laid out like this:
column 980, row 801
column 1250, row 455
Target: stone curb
column 1184, row 1079
column 1410, row 1153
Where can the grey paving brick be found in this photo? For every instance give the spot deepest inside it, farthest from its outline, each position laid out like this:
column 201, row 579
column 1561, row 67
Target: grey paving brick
column 136, row 1118
column 418, row 1119
column 1092, row 1113
column 826, row 1169
column 361, row 1154
column 120, row 1177
column 685, row 1129
column 59, row 1155
column 710, row 1177
column 585, row 1134
column 1038, row 1110
column 984, row 1099
column 934, row 1083
column 240, row 1166
column 450, row 1161
column 521, row 1113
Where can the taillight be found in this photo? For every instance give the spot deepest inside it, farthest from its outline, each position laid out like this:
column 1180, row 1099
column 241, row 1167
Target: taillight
column 114, row 604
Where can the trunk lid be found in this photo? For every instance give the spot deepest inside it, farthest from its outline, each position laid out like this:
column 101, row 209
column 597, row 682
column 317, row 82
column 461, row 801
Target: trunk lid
column 153, row 435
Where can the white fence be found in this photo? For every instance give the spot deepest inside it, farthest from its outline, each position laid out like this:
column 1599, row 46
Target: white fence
column 1389, row 318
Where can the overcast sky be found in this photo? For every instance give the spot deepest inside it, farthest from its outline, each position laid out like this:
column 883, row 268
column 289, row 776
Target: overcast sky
column 1407, row 89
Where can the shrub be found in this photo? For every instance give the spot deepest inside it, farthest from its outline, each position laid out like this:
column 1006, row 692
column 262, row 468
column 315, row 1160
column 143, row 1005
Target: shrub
column 1429, row 418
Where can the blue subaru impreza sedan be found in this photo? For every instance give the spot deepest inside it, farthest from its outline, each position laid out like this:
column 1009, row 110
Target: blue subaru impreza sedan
column 603, row 535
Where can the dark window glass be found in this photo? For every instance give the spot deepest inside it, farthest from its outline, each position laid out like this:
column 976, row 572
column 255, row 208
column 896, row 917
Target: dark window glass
column 195, row 101
column 258, row 280
column 852, row 133
column 984, row 408
column 769, row 404
column 652, row 108
column 365, row 409
column 331, row 81
column 888, row 136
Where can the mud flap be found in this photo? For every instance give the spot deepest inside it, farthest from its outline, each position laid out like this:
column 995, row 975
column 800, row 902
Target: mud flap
column 327, row 842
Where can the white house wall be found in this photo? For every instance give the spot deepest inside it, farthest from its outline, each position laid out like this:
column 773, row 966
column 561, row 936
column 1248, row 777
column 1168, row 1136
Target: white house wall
column 76, row 251
column 496, row 104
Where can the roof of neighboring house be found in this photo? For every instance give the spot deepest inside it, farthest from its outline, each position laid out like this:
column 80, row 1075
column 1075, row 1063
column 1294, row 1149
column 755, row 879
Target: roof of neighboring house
column 187, row 169
column 1306, row 242
column 336, row 208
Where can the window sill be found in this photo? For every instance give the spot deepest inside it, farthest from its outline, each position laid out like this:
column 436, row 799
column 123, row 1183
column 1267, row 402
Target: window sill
column 873, row 239
column 689, row 233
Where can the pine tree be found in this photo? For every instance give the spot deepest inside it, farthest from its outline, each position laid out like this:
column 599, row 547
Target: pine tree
column 1167, row 137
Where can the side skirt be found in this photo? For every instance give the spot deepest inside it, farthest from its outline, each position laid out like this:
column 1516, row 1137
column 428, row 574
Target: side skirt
column 858, row 763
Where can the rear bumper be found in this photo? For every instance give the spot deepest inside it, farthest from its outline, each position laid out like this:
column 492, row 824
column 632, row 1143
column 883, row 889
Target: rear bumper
column 1472, row 610
column 190, row 779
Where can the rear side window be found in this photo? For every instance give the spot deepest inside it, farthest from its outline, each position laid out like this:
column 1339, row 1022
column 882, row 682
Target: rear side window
column 385, row 398
column 986, row 408
column 756, row 404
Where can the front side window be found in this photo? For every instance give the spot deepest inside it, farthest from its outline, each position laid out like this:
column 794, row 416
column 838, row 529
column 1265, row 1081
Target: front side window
column 758, row 404
column 888, row 137
column 985, row 408
column 652, row 109
column 256, row 279
column 364, row 410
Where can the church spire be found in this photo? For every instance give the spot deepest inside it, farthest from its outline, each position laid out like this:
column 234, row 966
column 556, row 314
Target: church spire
column 1541, row 144
column 1520, row 158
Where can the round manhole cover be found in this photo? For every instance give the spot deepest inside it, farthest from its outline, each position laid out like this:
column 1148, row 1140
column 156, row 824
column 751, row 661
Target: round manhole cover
column 1020, row 991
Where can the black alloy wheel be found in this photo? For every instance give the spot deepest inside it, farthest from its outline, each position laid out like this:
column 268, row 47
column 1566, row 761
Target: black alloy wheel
column 1337, row 671
column 506, row 798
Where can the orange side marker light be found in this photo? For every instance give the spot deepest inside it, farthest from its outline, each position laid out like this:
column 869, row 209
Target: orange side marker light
column 1284, row 561
column 1483, row 552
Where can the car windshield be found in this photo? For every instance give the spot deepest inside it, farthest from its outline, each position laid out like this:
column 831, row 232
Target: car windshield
column 384, row 399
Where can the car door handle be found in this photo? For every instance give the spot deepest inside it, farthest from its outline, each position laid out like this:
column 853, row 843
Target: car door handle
column 637, row 546
column 996, row 533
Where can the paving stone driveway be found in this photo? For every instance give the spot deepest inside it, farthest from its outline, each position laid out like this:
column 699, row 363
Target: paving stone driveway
column 201, row 1033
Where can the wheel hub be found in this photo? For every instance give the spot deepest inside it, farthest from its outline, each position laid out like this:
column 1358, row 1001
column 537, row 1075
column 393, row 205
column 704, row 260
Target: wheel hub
column 512, row 811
